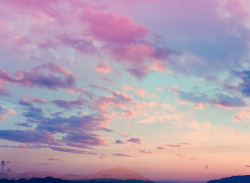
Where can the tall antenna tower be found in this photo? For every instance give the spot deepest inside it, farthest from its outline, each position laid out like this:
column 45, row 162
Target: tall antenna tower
column 8, row 171
column 3, row 164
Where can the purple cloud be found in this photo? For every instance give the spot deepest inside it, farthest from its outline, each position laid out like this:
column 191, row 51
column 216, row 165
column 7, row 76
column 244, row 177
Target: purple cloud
column 185, row 143
column 135, row 140
column 141, row 57
column 70, row 150
column 49, row 76
column 26, row 124
column 16, row 147
column 46, row 164
column 122, row 155
column 146, row 152
column 77, row 129
column 119, row 142
column 32, row 137
column 31, row 111
column 173, row 145
column 38, row 140
column 54, row 159
column 3, row 92
column 244, row 85
column 83, row 140
column 139, row 72
column 217, row 99
column 84, row 123
column 81, row 45
column 70, row 104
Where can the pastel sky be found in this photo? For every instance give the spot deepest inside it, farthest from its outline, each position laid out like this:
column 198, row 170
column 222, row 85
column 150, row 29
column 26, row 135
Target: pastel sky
column 159, row 86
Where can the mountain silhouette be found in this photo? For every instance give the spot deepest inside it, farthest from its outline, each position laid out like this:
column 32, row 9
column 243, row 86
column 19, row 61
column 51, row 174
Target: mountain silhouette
column 233, row 179
column 121, row 173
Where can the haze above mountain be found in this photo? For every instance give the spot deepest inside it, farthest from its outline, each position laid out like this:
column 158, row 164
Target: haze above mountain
column 122, row 173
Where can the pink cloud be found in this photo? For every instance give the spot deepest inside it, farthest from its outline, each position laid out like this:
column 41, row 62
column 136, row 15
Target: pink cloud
column 142, row 56
column 113, row 28
column 33, row 99
column 141, row 92
column 158, row 66
column 243, row 116
column 31, row 4
column 129, row 114
column 103, row 102
column 79, row 90
column 5, row 112
column 150, row 119
column 117, row 99
column 109, row 33
column 103, row 67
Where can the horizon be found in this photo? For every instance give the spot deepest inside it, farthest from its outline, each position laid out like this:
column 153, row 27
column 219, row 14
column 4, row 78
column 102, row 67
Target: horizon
column 159, row 86
column 93, row 175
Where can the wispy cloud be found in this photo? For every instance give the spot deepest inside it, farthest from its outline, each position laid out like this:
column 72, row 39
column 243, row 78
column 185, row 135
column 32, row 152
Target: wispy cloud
column 135, row 140
column 54, row 159
column 5, row 112
column 122, row 155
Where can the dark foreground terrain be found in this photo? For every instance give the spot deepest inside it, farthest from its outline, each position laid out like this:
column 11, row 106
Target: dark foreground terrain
column 57, row 180
column 234, row 179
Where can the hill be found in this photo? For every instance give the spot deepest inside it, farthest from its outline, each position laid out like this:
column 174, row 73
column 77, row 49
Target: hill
column 233, row 179
column 35, row 180
column 57, row 180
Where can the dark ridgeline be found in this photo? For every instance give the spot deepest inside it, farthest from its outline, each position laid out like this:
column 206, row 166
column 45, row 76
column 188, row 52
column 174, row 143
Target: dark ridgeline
column 57, row 180
column 112, row 181
column 35, row 180
column 234, row 179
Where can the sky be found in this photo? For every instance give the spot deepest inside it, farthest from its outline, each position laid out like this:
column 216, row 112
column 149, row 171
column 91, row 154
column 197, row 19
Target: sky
column 159, row 86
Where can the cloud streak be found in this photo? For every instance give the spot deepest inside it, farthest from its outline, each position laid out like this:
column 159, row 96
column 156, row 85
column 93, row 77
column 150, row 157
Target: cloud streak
column 122, row 155
column 5, row 112
column 38, row 77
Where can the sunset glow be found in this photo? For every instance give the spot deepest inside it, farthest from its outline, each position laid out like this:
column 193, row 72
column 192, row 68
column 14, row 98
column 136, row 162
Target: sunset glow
column 159, row 86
